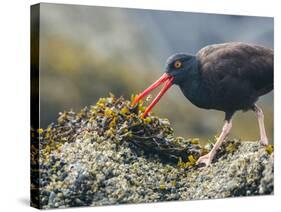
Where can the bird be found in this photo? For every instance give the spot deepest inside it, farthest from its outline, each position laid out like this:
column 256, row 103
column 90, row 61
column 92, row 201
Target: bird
column 227, row 77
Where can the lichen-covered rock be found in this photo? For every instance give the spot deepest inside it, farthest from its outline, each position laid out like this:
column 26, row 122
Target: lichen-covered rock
column 107, row 154
column 247, row 171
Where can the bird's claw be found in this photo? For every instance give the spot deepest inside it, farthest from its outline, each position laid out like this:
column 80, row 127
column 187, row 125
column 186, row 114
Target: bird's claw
column 264, row 142
column 206, row 159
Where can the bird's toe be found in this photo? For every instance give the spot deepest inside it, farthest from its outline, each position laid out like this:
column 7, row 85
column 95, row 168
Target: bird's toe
column 264, row 142
column 205, row 159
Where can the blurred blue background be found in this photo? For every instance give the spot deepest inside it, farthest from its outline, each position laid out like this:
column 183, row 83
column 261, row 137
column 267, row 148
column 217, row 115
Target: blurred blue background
column 87, row 52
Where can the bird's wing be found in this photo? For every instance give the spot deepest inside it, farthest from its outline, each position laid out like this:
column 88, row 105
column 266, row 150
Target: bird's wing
column 248, row 63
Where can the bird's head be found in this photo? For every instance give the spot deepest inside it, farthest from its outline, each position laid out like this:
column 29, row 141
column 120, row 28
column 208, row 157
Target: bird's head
column 180, row 66
column 177, row 70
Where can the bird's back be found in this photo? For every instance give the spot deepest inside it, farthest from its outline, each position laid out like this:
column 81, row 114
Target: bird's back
column 236, row 74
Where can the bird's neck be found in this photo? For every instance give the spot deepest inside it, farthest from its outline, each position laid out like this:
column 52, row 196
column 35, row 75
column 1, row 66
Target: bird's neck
column 194, row 89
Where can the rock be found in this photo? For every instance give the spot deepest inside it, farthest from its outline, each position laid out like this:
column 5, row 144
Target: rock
column 266, row 184
column 90, row 159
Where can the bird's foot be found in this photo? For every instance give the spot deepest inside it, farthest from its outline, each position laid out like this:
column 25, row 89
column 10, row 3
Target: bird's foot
column 206, row 159
column 264, row 141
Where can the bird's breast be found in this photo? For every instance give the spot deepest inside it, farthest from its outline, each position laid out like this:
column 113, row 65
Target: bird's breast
column 197, row 94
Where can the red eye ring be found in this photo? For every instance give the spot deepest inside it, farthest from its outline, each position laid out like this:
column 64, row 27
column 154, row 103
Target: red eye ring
column 177, row 64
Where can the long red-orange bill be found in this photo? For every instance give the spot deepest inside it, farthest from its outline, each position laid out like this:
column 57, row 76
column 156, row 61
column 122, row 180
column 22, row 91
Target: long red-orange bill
column 165, row 77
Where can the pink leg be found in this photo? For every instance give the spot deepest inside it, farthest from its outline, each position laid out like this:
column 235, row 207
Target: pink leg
column 207, row 159
column 260, row 116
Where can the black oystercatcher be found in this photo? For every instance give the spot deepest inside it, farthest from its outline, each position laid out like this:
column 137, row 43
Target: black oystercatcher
column 226, row 77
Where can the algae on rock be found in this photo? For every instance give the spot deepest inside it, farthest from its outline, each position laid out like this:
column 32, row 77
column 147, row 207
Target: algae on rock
column 106, row 154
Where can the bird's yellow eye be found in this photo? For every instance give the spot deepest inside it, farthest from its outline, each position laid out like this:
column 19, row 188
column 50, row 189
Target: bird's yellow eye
column 177, row 64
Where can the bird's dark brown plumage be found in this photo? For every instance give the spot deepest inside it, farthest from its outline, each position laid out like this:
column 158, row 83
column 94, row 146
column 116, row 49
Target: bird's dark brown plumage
column 235, row 74
column 226, row 77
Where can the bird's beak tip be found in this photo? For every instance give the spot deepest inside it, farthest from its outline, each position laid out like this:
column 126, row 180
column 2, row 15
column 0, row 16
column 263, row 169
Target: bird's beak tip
column 164, row 78
column 135, row 100
column 133, row 103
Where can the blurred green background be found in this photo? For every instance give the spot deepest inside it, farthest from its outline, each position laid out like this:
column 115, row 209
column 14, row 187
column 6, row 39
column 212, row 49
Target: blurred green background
column 87, row 52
